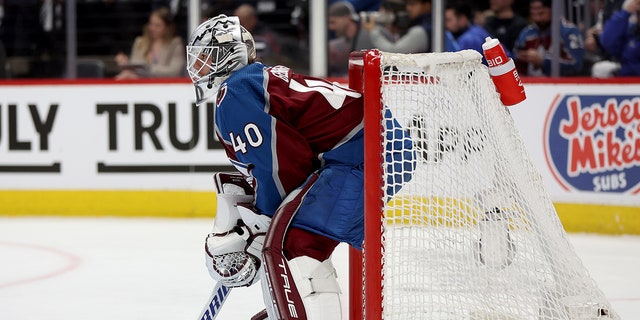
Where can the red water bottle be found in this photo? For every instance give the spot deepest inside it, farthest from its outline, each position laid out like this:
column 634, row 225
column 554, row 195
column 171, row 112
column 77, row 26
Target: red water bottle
column 503, row 72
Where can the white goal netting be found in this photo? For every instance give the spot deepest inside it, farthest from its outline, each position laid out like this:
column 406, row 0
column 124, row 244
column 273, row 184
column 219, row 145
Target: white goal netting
column 473, row 235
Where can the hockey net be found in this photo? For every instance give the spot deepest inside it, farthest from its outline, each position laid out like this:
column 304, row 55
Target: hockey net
column 473, row 234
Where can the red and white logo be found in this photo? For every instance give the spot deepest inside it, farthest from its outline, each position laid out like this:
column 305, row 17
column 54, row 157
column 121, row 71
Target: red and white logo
column 222, row 92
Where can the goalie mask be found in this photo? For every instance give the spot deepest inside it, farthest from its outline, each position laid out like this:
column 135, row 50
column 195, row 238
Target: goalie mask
column 216, row 49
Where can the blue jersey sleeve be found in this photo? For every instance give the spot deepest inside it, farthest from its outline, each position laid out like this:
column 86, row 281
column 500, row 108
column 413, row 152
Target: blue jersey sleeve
column 254, row 139
column 613, row 33
column 247, row 132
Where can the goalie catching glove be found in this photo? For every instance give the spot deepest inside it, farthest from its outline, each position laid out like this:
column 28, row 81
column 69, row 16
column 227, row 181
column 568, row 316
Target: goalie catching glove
column 233, row 250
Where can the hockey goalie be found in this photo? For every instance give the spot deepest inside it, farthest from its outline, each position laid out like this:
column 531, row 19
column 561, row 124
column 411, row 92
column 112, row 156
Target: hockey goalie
column 297, row 143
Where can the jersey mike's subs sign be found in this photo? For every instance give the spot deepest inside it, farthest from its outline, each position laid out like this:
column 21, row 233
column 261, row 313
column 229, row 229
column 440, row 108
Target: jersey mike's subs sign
column 585, row 138
column 592, row 142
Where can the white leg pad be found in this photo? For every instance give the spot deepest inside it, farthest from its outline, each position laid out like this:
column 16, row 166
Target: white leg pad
column 318, row 286
column 272, row 311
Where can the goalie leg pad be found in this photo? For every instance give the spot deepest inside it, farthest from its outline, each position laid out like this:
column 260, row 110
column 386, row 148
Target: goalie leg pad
column 299, row 242
column 272, row 310
column 318, row 286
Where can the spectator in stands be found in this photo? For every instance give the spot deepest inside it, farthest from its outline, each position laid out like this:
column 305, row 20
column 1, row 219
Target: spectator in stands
column 611, row 7
column 417, row 39
column 504, row 24
column 268, row 42
column 157, row 53
column 597, row 62
column 591, row 38
column 532, row 49
column 344, row 22
column 620, row 37
column 458, row 19
column 401, row 20
column 480, row 17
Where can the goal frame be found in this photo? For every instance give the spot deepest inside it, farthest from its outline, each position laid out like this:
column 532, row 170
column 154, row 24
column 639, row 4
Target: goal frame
column 507, row 226
column 365, row 297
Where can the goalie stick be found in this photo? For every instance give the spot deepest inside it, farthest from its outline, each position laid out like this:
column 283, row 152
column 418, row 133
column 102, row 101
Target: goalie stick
column 218, row 297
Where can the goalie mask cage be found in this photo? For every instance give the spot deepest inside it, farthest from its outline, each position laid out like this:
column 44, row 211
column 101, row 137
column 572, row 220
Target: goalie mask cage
column 473, row 234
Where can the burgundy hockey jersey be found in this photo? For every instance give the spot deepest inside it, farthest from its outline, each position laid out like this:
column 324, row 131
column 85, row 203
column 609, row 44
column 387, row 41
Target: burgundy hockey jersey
column 278, row 127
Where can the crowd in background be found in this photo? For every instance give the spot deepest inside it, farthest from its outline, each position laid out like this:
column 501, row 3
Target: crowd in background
column 608, row 47
column 131, row 39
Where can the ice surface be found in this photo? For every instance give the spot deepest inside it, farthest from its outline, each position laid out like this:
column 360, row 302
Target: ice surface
column 138, row 269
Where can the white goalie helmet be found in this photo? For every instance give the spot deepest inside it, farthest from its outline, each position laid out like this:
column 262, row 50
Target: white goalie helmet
column 217, row 48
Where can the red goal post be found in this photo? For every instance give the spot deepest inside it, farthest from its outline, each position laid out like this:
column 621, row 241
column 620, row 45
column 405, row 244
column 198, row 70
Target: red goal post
column 372, row 191
column 473, row 235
